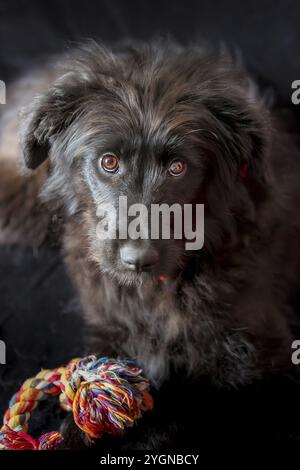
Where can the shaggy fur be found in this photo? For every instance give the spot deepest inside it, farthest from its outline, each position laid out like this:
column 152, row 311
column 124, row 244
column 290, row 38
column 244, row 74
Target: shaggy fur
column 224, row 314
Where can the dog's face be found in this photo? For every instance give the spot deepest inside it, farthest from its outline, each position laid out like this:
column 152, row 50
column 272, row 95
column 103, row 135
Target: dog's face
column 150, row 166
column 156, row 127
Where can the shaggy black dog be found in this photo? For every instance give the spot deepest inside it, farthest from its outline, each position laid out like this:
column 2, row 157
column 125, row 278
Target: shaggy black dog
column 165, row 124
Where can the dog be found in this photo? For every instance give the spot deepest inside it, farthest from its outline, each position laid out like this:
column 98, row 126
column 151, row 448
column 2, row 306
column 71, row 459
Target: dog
column 161, row 123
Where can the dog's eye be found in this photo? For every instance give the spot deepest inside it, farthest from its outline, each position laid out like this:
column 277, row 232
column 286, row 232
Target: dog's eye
column 177, row 168
column 109, row 163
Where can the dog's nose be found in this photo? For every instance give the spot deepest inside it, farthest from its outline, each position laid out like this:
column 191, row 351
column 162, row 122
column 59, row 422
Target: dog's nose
column 138, row 258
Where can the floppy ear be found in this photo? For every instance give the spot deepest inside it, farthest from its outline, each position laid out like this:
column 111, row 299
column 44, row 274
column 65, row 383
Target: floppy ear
column 46, row 117
column 244, row 134
column 51, row 113
column 35, row 132
column 43, row 124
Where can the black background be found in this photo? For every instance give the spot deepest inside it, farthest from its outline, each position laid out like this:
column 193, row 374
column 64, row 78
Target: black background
column 266, row 32
column 39, row 318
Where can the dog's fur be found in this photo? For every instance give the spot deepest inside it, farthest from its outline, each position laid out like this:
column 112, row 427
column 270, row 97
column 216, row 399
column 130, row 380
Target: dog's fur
column 224, row 313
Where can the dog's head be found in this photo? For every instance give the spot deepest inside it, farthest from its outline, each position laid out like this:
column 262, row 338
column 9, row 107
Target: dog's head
column 155, row 124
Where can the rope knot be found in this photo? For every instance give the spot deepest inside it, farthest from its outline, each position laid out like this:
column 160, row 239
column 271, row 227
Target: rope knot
column 105, row 395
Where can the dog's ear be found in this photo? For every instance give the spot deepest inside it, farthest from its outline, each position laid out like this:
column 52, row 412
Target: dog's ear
column 244, row 134
column 88, row 68
column 46, row 117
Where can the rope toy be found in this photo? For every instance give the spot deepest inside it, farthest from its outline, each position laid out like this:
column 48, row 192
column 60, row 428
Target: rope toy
column 105, row 395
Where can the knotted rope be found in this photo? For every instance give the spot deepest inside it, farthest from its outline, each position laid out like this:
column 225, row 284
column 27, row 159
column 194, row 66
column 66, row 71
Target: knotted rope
column 105, row 396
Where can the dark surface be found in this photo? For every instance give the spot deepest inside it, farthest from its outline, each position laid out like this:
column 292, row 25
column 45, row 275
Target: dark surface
column 40, row 320
column 39, row 317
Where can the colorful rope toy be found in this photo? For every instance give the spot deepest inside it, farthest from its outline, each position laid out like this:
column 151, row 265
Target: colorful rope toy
column 105, row 395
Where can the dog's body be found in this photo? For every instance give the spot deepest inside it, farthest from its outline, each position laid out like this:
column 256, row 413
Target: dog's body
column 224, row 313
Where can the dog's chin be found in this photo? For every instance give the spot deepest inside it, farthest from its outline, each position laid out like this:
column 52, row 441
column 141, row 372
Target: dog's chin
column 133, row 279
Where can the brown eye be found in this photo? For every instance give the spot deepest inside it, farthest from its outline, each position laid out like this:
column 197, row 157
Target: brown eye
column 110, row 163
column 177, row 168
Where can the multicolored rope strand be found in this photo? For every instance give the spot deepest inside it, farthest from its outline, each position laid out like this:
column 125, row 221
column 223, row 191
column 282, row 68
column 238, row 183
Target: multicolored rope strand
column 105, row 396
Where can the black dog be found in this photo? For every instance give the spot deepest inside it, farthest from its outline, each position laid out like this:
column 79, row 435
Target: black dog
column 164, row 124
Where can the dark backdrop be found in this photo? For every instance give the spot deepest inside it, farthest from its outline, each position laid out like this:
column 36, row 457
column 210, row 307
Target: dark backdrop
column 39, row 318
column 266, row 32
